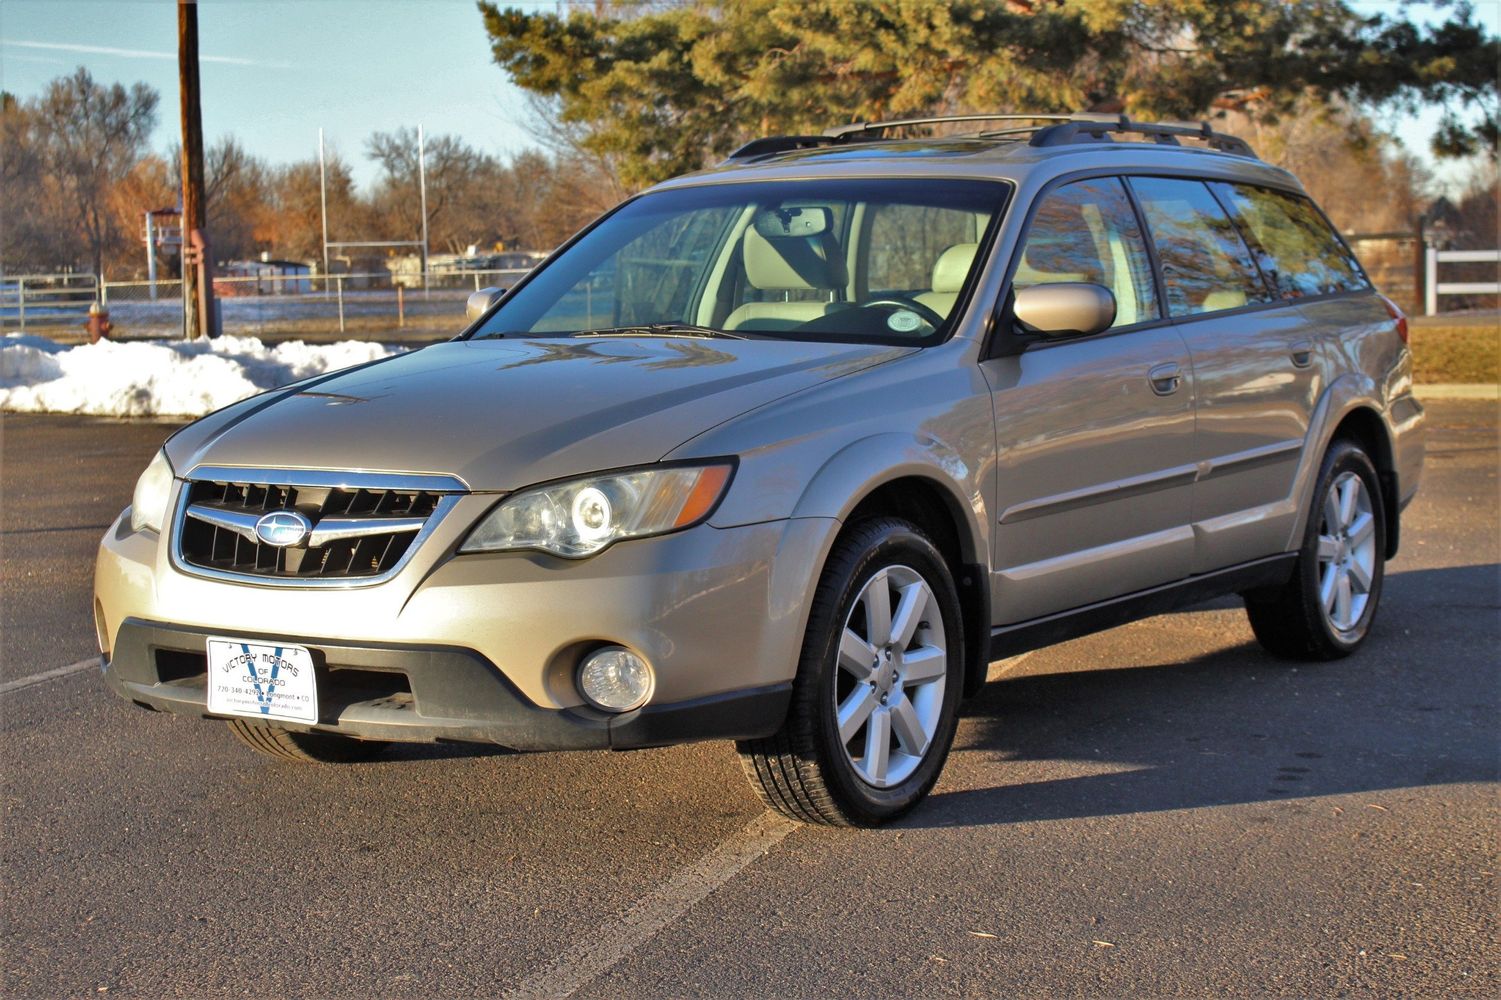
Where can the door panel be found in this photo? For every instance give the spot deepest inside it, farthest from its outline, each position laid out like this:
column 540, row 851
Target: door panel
column 1096, row 472
column 1258, row 376
column 1257, row 373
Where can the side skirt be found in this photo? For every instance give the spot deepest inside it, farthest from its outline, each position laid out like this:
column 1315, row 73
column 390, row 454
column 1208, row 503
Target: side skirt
column 1009, row 640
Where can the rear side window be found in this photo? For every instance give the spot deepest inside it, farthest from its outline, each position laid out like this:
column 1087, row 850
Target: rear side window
column 1206, row 266
column 1086, row 231
column 1298, row 251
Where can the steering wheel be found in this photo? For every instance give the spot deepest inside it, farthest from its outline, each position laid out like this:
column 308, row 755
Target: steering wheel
column 928, row 315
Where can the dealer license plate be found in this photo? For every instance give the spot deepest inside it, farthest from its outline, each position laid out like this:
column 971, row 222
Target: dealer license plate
column 266, row 680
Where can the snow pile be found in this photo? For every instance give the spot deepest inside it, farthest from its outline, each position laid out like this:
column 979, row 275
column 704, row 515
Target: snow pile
column 159, row 377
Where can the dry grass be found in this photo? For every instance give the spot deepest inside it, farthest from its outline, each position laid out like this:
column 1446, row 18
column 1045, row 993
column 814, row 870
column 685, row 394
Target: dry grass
column 1470, row 353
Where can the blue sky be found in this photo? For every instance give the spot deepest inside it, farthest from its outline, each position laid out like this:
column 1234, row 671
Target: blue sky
column 273, row 71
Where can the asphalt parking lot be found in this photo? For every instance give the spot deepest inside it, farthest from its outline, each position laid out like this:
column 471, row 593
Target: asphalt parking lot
column 1156, row 810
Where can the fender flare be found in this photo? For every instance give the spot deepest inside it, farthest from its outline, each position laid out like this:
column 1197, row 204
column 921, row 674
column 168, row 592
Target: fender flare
column 860, row 468
column 1350, row 392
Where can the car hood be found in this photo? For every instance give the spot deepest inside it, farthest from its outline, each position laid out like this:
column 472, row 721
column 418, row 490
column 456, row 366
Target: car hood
column 502, row 414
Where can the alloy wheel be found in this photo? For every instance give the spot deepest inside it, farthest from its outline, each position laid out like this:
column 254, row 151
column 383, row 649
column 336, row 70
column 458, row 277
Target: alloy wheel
column 893, row 665
column 1346, row 552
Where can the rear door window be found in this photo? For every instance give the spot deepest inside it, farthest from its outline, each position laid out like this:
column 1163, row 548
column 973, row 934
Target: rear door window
column 1206, row 266
column 1086, row 231
column 1296, row 247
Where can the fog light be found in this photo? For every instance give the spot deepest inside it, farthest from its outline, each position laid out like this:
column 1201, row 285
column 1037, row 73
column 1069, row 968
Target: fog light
column 615, row 679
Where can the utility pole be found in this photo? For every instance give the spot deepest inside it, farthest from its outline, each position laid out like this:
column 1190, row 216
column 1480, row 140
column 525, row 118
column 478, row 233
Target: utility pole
column 323, row 206
column 200, row 318
column 422, row 189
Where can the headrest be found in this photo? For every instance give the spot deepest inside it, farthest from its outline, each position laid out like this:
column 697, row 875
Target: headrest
column 1224, row 298
column 796, row 262
column 953, row 266
column 1061, row 242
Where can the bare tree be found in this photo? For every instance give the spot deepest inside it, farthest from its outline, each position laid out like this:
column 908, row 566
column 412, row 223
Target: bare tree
column 88, row 136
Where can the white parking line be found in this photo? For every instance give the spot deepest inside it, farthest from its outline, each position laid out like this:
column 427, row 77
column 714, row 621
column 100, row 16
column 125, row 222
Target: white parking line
column 47, row 675
column 612, row 942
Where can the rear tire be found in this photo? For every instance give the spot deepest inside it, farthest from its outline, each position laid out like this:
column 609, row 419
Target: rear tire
column 1325, row 610
column 305, row 748
column 876, row 696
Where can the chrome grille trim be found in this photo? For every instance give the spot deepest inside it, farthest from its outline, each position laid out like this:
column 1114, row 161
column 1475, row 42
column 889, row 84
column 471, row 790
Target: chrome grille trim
column 329, row 479
column 448, row 490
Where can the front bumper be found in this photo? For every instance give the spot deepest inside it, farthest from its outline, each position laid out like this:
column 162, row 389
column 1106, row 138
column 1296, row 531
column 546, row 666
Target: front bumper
column 424, row 694
column 487, row 645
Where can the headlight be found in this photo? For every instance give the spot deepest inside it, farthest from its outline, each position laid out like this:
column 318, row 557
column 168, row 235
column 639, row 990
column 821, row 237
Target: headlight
column 584, row 516
column 148, row 507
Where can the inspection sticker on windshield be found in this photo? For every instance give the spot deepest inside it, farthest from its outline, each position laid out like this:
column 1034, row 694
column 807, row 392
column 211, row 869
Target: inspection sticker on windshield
column 903, row 321
column 266, row 680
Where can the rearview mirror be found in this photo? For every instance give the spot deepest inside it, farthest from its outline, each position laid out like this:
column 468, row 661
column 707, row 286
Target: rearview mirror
column 1065, row 309
column 480, row 302
column 793, row 220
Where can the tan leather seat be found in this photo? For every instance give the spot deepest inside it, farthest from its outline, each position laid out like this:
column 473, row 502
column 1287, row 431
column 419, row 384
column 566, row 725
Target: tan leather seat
column 949, row 273
column 793, row 264
column 1223, row 298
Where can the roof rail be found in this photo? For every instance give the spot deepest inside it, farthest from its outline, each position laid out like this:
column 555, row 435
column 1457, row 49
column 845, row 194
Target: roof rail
column 846, row 132
column 1093, row 128
column 773, row 144
column 1050, row 130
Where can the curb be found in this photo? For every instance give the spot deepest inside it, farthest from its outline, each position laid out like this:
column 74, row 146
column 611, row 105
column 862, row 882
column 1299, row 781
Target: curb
column 1458, row 390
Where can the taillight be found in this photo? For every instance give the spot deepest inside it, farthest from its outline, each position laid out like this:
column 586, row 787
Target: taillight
column 1397, row 314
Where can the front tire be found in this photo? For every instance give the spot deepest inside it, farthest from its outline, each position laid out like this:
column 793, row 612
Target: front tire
column 305, row 748
column 875, row 701
column 1325, row 610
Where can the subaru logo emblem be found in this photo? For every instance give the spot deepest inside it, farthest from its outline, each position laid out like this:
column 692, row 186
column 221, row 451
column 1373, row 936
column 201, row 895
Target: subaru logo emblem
column 283, row 528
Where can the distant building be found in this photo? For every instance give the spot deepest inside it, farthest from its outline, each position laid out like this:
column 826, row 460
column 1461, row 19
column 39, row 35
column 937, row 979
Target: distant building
column 263, row 277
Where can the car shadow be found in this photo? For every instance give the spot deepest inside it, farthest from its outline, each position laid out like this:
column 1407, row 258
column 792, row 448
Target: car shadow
column 1417, row 706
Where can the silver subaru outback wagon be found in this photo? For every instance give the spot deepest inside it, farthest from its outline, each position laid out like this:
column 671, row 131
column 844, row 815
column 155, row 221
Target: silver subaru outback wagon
column 786, row 452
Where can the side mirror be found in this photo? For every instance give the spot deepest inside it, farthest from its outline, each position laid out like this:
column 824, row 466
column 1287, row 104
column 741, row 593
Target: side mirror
column 480, row 302
column 1066, row 309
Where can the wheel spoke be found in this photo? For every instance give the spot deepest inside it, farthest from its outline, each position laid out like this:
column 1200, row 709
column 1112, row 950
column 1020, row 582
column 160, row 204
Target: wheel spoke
column 878, row 745
column 908, row 727
column 924, row 664
column 878, row 610
column 1328, row 548
column 1327, row 587
column 1362, row 530
column 1348, row 492
column 910, row 611
column 854, row 710
column 1331, row 512
column 856, row 656
column 1342, row 600
column 1360, row 576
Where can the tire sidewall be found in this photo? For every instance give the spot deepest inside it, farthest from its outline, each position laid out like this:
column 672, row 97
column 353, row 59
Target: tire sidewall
column 1343, row 457
column 897, row 545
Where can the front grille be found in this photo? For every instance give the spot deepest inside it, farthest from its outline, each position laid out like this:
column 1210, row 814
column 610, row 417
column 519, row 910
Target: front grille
column 375, row 528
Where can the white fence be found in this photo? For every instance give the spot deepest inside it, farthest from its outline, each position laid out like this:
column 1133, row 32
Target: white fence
column 1435, row 288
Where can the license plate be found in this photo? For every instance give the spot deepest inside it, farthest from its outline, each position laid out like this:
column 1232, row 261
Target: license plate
column 265, row 680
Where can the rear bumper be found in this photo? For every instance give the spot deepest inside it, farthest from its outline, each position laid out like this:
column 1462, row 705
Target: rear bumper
column 415, row 693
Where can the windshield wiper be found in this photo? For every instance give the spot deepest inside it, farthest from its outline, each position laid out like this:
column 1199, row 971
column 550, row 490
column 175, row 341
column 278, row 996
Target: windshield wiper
column 662, row 330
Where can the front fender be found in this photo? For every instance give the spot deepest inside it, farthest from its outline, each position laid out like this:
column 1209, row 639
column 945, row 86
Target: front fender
column 862, row 467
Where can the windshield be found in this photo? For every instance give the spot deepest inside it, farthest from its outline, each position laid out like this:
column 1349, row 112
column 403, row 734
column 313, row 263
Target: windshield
column 873, row 261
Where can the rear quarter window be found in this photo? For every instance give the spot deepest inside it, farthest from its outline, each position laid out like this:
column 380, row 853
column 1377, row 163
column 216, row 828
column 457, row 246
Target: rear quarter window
column 1298, row 250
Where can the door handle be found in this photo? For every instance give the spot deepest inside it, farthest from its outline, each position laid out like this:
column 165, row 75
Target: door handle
column 1165, row 378
column 1301, row 352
